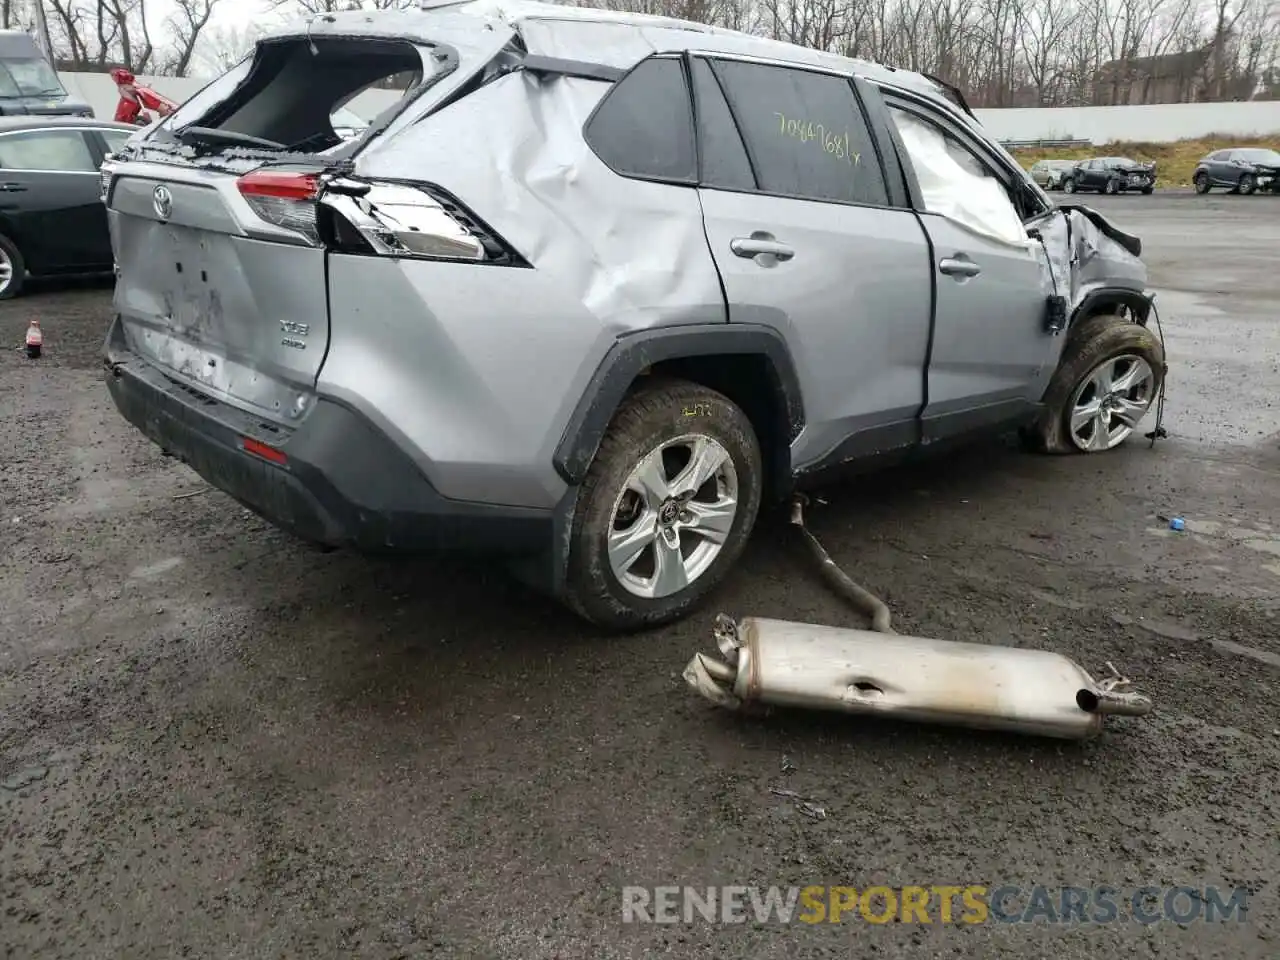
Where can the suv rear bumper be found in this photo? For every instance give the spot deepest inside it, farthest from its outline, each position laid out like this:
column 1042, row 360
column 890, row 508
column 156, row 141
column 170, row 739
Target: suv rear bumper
column 343, row 482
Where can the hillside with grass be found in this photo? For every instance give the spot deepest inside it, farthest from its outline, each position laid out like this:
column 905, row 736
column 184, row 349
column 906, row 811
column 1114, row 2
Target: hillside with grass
column 1175, row 161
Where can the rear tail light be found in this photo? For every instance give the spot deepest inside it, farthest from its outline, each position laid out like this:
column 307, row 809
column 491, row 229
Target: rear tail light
column 420, row 222
column 284, row 198
column 105, row 173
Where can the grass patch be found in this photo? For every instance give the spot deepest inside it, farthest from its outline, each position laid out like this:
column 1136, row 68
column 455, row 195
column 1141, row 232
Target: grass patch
column 1175, row 161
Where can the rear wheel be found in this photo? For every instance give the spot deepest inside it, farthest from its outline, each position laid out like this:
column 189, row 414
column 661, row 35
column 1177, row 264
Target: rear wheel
column 1110, row 373
column 666, row 508
column 1248, row 183
column 13, row 269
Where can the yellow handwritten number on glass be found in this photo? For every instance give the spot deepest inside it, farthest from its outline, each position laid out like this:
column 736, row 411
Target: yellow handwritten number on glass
column 832, row 142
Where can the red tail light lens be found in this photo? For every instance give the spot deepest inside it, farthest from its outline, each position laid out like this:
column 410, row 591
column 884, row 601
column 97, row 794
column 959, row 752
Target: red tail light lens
column 284, row 198
column 281, row 184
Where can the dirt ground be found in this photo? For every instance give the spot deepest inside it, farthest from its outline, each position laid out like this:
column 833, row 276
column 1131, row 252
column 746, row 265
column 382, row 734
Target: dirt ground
column 215, row 742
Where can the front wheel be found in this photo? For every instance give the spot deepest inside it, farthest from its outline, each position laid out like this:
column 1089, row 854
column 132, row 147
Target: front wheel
column 1113, row 187
column 666, row 508
column 1069, row 185
column 1147, row 191
column 1111, row 371
column 1248, row 183
column 1201, row 182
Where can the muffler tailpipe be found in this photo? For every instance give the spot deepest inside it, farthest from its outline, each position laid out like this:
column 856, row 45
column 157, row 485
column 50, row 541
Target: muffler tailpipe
column 786, row 664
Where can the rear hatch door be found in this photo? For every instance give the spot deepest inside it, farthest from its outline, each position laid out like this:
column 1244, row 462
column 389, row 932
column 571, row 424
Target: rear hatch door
column 221, row 278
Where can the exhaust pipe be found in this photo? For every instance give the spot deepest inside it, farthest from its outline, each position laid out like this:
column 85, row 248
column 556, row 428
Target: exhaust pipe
column 786, row 664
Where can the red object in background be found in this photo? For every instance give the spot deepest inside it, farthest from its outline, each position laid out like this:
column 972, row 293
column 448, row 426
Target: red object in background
column 134, row 99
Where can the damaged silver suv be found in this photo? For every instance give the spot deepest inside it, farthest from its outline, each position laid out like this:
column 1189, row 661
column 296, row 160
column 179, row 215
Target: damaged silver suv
column 592, row 289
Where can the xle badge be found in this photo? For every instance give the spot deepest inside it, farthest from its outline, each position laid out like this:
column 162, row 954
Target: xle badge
column 298, row 330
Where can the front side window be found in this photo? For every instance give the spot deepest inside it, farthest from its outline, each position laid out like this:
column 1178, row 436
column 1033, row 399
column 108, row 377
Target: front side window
column 955, row 182
column 59, row 150
column 644, row 126
column 804, row 131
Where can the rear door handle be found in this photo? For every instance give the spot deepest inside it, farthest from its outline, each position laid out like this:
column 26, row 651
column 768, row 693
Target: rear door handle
column 959, row 266
column 753, row 246
column 12, row 187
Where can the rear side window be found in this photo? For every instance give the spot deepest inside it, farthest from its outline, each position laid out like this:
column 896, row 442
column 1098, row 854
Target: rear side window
column 724, row 159
column 644, row 126
column 804, row 131
column 65, row 151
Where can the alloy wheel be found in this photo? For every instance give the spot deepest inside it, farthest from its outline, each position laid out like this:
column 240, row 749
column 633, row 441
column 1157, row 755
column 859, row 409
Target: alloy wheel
column 6, row 270
column 1109, row 402
column 673, row 515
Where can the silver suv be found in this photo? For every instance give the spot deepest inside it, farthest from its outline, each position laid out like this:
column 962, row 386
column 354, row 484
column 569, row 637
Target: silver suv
column 592, row 289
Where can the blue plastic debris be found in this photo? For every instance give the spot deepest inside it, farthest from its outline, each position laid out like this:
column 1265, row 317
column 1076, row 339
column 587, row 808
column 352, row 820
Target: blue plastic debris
column 1177, row 523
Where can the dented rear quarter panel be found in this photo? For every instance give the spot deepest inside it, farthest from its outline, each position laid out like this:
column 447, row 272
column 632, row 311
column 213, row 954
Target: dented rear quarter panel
column 482, row 366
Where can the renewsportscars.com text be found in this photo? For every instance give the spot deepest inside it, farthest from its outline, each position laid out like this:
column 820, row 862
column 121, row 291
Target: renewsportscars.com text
column 933, row 904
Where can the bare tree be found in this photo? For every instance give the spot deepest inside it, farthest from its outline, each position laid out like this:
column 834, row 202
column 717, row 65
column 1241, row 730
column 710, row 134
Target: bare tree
column 1045, row 34
column 998, row 52
column 187, row 24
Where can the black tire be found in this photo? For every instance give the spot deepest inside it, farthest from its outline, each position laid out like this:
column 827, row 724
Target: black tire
column 18, row 269
column 655, row 414
column 1069, row 185
column 1147, row 191
column 1089, row 343
column 1201, row 182
column 1248, row 184
column 1113, row 187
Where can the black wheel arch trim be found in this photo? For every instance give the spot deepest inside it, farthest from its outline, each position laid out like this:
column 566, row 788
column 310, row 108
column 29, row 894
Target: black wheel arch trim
column 633, row 353
column 1136, row 300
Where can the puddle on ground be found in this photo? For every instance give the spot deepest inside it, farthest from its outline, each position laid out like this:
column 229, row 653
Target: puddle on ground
column 1262, row 538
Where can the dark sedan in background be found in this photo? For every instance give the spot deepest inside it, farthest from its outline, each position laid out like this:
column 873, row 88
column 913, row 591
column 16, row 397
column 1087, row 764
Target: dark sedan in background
column 1111, row 175
column 1240, row 170
column 52, row 219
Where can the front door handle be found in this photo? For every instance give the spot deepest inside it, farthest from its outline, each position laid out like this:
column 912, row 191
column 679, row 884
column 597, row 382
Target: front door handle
column 12, row 187
column 759, row 244
column 959, row 266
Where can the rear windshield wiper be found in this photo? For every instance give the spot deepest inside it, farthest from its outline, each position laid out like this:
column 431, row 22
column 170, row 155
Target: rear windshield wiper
column 210, row 135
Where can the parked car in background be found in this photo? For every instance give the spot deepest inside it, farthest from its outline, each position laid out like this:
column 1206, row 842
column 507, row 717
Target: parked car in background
column 29, row 86
column 1110, row 175
column 1050, row 173
column 52, row 221
column 591, row 324
column 1240, row 170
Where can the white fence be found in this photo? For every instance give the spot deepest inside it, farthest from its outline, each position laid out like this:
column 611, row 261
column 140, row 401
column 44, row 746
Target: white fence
column 1158, row 123
column 1154, row 123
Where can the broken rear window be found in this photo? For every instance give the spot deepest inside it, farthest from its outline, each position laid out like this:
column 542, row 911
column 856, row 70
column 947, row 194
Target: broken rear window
column 286, row 98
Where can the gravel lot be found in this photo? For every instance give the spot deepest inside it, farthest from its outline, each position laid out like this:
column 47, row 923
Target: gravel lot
column 238, row 747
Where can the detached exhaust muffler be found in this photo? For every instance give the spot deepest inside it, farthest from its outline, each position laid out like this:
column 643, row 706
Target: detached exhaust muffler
column 786, row 664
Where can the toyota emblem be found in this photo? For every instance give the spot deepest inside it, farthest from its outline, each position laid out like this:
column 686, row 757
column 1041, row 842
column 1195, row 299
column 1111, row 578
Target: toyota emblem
column 162, row 200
